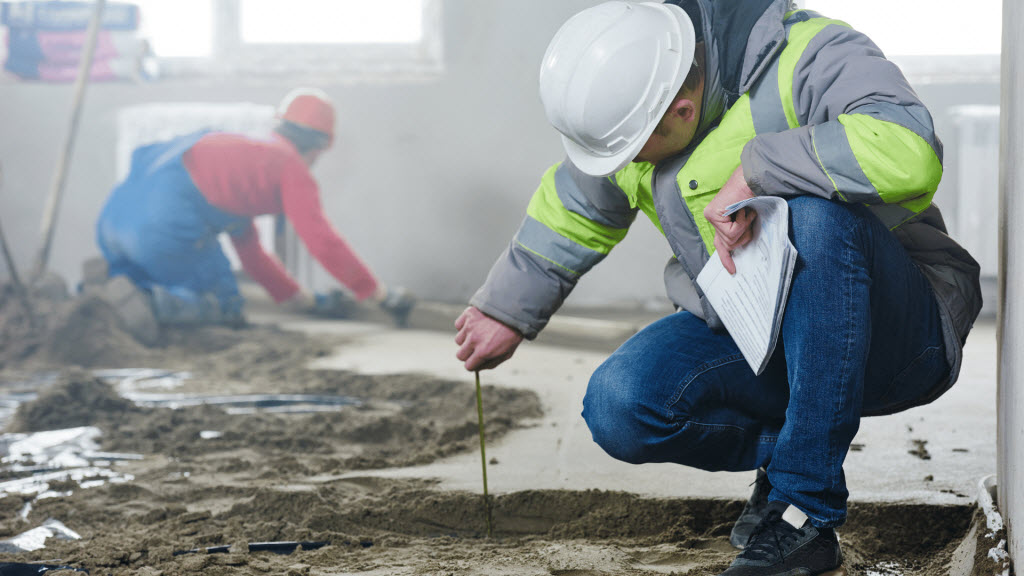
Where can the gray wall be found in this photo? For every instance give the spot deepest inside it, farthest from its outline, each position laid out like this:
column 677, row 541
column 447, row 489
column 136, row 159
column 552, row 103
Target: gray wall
column 427, row 180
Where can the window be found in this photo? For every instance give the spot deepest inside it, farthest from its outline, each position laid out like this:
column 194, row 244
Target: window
column 337, row 22
column 937, row 40
column 179, row 29
column 327, row 40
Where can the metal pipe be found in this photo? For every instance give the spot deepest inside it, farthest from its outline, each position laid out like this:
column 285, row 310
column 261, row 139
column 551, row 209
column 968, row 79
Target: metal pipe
column 1010, row 329
column 53, row 201
column 12, row 269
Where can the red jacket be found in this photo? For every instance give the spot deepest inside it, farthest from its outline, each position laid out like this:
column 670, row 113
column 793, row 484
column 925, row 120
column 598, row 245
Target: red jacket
column 251, row 177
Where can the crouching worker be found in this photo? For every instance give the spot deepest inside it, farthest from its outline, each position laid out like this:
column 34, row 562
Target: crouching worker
column 159, row 227
column 679, row 110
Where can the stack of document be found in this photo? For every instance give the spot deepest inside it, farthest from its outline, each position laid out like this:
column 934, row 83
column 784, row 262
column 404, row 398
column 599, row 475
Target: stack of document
column 751, row 302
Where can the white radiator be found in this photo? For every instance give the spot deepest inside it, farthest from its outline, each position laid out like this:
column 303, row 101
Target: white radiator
column 148, row 123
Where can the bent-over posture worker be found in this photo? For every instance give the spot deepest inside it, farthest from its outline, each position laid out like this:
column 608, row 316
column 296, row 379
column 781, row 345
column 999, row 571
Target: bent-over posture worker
column 160, row 226
column 679, row 110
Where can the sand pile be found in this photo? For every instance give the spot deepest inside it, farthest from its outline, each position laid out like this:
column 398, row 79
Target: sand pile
column 302, row 476
column 404, row 527
column 78, row 399
column 63, row 332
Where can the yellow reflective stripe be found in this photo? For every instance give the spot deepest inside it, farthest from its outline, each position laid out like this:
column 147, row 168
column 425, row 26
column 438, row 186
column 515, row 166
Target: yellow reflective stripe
column 817, row 156
column 713, row 163
column 543, row 257
column 901, row 165
column 547, row 208
column 635, row 181
column 800, row 35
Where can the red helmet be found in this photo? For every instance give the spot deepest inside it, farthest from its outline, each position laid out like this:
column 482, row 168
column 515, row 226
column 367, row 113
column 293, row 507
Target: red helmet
column 309, row 108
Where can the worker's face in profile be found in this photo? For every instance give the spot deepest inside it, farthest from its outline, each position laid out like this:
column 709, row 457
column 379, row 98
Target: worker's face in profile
column 675, row 131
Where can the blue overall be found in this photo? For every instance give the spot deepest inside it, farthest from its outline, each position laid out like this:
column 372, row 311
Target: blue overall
column 158, row 229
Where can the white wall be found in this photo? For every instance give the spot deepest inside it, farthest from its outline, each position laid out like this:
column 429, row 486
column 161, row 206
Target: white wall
column 428, row 181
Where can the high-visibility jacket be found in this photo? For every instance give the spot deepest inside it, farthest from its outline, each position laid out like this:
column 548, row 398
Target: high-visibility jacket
column 807, row 105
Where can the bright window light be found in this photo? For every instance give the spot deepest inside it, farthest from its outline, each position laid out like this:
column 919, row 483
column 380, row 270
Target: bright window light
column 916, row 28
column 331, row 21
column 179, row 29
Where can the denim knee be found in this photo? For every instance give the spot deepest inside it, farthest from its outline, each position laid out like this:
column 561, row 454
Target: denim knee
column 819, row 225
column 612, row 410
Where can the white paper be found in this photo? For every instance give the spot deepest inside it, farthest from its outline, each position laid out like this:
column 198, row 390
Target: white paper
column 751, row 302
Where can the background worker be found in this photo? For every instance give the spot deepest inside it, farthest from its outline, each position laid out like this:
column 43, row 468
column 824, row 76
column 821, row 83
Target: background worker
column 679, row 110
column 159, row 227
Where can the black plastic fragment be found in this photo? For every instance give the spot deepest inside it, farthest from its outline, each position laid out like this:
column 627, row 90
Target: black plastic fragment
column 285, row 548
column 23, row 569
column 218, row 549
column 282, row 548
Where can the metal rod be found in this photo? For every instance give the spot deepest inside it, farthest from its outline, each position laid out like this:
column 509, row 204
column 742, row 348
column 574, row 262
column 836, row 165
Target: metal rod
column 19, row 287
column 53, row 201
column 483, row 450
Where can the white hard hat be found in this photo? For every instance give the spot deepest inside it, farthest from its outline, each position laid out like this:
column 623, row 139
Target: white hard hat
column 608, row 76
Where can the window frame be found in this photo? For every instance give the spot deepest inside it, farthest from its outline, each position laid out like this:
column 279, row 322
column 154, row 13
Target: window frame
column 231, row 57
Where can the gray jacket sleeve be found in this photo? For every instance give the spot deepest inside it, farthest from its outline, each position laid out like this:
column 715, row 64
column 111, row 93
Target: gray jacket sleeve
column 547, row 256
column 863, row 135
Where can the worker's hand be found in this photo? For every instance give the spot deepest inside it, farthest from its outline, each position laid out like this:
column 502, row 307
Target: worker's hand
column 484, row 343
column 735, row 230
column 301, row 302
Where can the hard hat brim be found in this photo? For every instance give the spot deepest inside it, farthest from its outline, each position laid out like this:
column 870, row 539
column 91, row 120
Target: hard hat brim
column 596, row 165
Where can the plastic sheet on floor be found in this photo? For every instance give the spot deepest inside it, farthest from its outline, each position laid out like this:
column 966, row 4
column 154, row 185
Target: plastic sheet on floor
column 129, row 380
column 57, row 456
column 28, row 569
column 35, row 539
column 248, row 403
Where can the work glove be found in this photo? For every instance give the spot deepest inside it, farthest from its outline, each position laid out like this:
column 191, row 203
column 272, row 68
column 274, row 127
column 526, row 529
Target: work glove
column 334, row 304
column 398, row 302
column 301, row 302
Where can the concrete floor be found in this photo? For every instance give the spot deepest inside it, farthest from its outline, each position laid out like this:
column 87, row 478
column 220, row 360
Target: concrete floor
column 557, row 452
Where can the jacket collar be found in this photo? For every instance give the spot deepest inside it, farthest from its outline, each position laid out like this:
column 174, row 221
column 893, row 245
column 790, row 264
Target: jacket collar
column 741, row 39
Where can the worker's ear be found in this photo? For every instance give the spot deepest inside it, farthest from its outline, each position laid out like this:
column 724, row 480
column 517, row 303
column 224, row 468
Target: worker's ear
column 684, row 109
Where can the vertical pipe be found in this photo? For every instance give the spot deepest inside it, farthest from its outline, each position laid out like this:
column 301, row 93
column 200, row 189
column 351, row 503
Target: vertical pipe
column 1010, row 330
column 49, row 222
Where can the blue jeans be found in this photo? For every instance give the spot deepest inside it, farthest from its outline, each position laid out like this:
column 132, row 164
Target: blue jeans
column 158, row 229
column 861, row 336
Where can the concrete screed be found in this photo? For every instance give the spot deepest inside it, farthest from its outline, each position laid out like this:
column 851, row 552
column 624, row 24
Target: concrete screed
column 888, row 463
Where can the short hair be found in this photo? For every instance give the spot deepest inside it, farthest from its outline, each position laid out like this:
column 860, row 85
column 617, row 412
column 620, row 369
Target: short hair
column 305, row 139
column 694, row 76
column 690, row 84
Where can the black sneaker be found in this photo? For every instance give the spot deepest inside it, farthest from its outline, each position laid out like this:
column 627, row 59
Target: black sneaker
column 753, row 511
column 786, row 543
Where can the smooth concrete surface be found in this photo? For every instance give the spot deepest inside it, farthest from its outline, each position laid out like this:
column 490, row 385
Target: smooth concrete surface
column 1011, row 277
column 557, row 452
